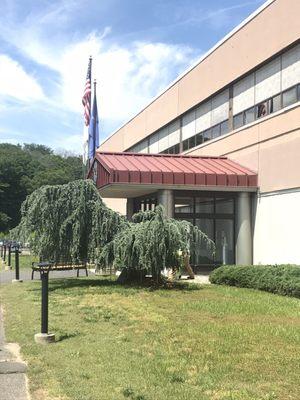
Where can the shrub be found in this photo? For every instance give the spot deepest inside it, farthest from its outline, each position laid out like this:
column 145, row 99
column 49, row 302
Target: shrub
column 279, row 279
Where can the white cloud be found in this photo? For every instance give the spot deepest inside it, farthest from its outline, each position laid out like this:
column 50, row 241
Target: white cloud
column 16, row 83
column 127, row 77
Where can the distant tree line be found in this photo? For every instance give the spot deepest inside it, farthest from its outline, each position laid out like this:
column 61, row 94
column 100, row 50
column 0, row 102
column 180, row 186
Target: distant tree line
column 25, row 168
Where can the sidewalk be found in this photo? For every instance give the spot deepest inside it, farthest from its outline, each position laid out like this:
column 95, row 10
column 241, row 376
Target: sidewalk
column 6, row 276
column 13, row 380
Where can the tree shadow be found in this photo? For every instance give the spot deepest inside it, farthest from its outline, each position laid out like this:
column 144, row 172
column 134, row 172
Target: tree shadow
column 66, row 336
column 111, row 284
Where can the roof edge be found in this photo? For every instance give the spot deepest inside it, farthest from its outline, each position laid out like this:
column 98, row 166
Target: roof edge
column 122, row 153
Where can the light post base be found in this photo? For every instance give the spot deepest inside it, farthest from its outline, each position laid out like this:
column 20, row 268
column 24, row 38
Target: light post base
column 17, row 280
column 44, row 338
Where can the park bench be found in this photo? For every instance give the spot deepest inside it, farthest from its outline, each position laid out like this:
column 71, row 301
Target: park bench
column 61, row 267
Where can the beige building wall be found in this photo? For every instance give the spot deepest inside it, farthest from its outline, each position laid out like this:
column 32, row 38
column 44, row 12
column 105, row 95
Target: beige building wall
column 269, row 146
column 255, row 41
column 276, row 230
column 118, row 205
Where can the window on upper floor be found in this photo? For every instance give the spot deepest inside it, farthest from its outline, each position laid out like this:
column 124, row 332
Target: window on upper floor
column 270, row 88
column 262, row 109
column 215, row 131
column 238, row 120
column 275, row 103
column 289, row 97
column 249, row 115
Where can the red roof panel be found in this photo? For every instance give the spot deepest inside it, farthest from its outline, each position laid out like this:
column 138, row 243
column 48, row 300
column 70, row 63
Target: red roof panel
column 156, row 169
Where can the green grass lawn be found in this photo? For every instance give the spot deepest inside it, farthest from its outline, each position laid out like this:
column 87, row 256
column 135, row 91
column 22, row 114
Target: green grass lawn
column 25, row 260
column 116, row 343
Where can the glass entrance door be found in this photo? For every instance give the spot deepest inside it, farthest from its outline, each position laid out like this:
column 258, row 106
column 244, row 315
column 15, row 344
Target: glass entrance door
column 213, row 214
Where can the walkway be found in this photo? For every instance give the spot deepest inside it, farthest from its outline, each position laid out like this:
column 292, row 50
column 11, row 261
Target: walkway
column 13, row 380
column 25, row 274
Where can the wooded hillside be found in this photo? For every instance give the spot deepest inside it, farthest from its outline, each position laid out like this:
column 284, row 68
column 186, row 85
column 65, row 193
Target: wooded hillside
column 26, row 168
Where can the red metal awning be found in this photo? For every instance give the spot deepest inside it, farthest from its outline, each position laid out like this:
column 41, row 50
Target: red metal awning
column 113, row 172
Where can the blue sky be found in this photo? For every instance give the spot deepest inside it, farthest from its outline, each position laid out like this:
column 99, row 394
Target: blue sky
column 138, row 47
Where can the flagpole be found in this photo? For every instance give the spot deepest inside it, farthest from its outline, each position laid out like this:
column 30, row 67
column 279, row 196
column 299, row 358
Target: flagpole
column 86, row 133
column 95, row 97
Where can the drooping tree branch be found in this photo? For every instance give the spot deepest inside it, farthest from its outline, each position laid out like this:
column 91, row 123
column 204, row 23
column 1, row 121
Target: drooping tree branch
column 154, row 242
column 68, row 222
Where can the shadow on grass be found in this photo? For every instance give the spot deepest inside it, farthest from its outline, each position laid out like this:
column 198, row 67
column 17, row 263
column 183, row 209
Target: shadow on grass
column 66, row 336
column 112, row 284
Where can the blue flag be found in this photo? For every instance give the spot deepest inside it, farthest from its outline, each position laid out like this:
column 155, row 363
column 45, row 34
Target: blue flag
column 94, row 128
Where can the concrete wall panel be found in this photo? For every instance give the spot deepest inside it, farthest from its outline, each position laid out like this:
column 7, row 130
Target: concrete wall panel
column 276, row 232
column 118, row 205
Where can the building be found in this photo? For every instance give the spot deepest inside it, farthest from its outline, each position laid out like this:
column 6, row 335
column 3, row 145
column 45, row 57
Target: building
column 228, row 137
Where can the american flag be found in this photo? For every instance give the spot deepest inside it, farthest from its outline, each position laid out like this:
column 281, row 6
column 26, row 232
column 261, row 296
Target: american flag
column 86, row 98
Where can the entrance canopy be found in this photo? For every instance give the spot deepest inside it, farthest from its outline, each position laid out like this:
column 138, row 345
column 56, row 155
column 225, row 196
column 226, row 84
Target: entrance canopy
column 127, row 175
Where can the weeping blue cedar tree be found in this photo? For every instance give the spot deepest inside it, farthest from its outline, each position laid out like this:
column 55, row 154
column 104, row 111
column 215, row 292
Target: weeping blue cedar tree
column 71, row 223
column 67, row 222
column 153, row 242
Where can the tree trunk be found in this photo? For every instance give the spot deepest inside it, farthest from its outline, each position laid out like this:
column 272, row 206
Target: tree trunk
column 188, row 267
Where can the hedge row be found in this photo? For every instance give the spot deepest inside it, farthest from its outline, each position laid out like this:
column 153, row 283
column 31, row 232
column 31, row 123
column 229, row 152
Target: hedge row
column 280, row 279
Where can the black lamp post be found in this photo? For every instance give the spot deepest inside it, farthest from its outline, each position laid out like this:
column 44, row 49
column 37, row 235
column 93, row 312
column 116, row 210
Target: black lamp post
column 4, row 251
column 15, row 248
column 44, row 337
column 9, row 255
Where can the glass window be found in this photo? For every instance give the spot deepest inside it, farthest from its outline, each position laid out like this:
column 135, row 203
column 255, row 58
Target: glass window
column 220, row 107
column 203, row 116
column 224, row 206
column 298, row 92
column 183, row 205
column 289, row 97
column 238, row 121
column 215, row 131
column 268, row 80
column 224, row 241
column 153, row 143
column 163, row 142
column 243, row 94
column 202, row 254
column 177, row 149
column 275, row 104
column 185, row 144
column 199, row 139
column 174, row 132
column 262, row 109
column 188, row 124
column 291, row 67
column 204, row 205
column 206, row 135
column 250, row 115
column 192, row 142
column 224, row 127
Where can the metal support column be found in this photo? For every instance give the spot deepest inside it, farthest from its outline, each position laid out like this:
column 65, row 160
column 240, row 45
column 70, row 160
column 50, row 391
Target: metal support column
column 244, row 244
column 129, row 208
column 165, row 197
